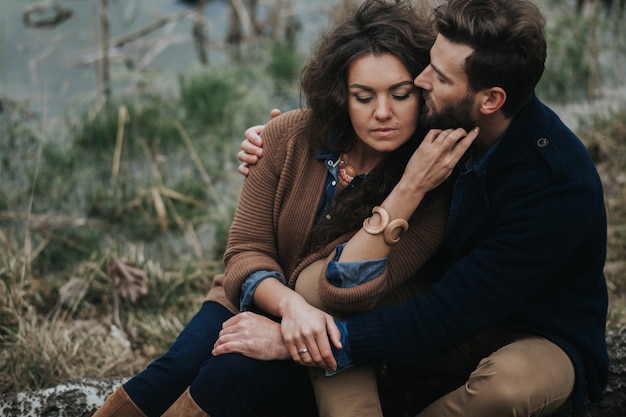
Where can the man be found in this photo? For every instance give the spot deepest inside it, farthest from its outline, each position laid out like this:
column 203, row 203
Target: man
column 520, row 312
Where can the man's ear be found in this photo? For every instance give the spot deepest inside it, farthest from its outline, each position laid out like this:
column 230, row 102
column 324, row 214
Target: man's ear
column 492, row 99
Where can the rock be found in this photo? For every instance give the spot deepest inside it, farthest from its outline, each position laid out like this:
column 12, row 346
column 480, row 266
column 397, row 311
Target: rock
column 75, row 398
column 81, row 397
column 614, row 402
column 45, row 14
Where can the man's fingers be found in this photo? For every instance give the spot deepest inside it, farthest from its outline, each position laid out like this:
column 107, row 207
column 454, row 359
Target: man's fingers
column 252, row 145
column 224, row 345
column 275, row 113
column 253, row 133
column 247, row 158
column 244, row 169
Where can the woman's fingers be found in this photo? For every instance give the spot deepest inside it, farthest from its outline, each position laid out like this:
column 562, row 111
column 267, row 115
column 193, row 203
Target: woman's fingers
column 312, row 349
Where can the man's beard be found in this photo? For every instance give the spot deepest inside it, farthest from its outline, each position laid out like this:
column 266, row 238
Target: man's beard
column 449, row 116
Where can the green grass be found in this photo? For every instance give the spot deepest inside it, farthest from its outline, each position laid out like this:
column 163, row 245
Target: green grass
column 148, row 181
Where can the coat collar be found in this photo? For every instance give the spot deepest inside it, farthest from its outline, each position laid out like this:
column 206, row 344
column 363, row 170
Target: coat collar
column 528, row 131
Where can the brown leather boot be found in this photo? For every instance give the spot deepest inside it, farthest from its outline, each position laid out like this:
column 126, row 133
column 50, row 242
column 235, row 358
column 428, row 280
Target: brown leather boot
column 119, row 404
column 185, row 406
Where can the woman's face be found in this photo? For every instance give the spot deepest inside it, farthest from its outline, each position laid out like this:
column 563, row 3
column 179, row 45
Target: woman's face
column 383, row 103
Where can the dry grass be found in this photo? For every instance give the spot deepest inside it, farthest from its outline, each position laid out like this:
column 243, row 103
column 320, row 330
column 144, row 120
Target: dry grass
column 103, row 293
column 64, row 324
column 153, row 218
column 608, row 143
column 91, row 329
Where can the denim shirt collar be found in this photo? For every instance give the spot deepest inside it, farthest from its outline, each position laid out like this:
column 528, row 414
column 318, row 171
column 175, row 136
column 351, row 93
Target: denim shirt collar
column 331, row 160
column 479, row 167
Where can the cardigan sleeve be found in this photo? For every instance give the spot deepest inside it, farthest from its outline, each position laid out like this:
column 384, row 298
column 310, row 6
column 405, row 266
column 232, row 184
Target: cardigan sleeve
column 416, row 247
column 252, row 243
column 406, row 271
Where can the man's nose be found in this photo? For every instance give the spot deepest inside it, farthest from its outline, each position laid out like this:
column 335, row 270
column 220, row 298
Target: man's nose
column 422, row 79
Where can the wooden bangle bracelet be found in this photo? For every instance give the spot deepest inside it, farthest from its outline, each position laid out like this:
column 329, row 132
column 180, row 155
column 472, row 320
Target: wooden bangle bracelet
column 380, row 227
column 391, row 230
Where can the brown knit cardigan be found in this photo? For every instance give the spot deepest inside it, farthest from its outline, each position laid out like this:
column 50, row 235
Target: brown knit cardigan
column 275, row 215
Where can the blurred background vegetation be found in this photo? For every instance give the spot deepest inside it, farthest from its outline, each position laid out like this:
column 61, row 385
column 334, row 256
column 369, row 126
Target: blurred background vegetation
column 114, row 215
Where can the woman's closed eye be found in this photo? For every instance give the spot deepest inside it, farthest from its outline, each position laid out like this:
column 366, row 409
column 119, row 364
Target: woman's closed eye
column 363, row 99
column 400, row 97
column 396, row 96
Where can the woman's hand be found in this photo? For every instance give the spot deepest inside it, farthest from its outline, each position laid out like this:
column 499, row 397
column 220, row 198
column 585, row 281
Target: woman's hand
column 435, row 158
column 308, row 333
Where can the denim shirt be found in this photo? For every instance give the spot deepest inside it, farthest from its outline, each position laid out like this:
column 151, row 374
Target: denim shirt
column 340, row 274
column 467, row 185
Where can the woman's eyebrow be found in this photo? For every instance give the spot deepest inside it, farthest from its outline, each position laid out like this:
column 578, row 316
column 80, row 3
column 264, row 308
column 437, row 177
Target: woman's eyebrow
column 401, row 84
column 391, row 87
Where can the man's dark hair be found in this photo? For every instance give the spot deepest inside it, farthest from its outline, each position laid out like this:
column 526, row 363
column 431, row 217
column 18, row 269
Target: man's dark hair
column 508, row 37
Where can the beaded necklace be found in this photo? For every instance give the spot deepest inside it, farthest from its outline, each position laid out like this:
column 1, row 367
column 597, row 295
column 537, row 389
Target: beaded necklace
column 346, row 173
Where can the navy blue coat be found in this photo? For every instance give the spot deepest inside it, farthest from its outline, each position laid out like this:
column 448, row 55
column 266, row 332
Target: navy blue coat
column 528, row 249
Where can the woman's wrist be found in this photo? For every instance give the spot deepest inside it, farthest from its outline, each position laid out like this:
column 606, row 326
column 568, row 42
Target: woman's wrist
column 273, row 297
column 410, row 192
column 289, row 302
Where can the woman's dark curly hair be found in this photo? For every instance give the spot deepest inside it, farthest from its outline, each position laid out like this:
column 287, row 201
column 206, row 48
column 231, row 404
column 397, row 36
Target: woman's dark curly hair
column 377, row 27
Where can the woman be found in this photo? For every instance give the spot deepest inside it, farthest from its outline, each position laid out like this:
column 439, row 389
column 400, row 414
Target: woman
column 325, row 171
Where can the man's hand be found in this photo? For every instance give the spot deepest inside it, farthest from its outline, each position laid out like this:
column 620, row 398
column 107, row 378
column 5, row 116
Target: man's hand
column 252, row 335
column 252, row 146
column 259, row 337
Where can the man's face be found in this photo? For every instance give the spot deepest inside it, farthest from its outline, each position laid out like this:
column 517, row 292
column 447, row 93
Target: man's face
column 448, row 101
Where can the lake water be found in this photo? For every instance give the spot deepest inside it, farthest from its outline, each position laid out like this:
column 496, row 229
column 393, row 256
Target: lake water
column 46, row 71
column 50, row 69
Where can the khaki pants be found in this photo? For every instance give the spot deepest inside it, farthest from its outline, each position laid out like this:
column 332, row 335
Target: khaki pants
column 527, row 376
column 506, row 374
column 352, row 392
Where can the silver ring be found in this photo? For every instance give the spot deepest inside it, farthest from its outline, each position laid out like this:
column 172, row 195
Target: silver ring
column 303, row 350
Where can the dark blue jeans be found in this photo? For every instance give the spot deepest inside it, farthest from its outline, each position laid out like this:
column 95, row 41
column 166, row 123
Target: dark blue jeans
column 230, row 385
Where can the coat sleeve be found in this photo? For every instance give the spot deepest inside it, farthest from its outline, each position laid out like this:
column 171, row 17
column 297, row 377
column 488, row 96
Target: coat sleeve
column 527, row 268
